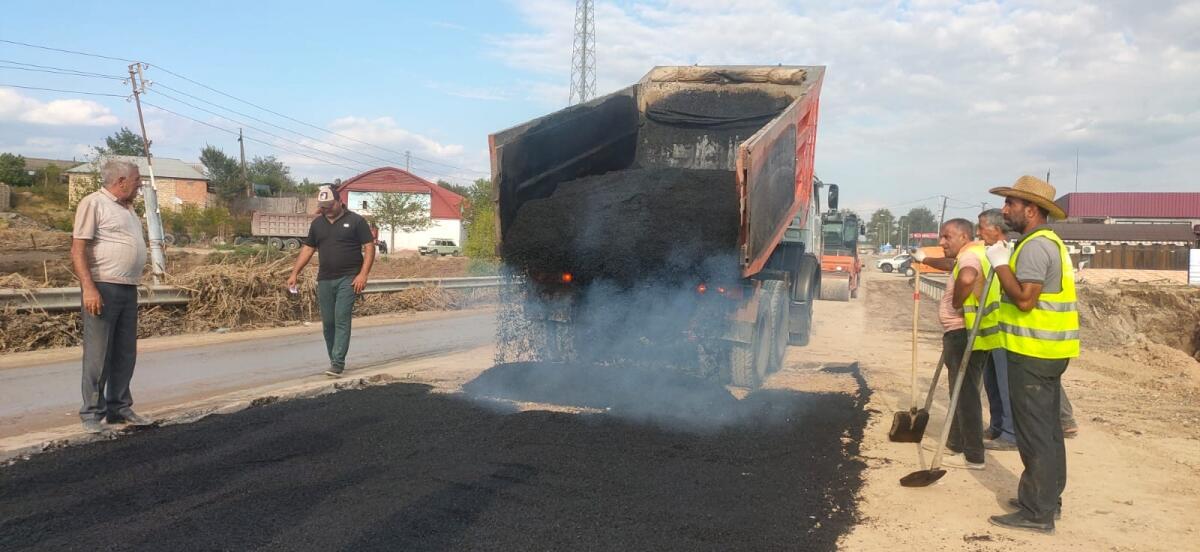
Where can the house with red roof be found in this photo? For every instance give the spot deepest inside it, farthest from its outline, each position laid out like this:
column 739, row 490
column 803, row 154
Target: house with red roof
column 444, row 206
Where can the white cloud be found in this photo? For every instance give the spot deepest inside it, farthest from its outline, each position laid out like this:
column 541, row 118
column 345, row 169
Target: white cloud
column 930, row 97
column 15, row 107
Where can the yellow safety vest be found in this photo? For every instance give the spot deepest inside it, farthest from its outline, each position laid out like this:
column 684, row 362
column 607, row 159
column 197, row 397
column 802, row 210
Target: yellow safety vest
column 989, row 336
column 1051, row 329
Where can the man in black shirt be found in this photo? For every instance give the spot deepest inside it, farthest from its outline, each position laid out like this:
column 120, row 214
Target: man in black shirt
column 340, row 237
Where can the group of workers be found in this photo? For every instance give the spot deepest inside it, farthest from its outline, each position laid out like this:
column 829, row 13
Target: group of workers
column 1025, row 293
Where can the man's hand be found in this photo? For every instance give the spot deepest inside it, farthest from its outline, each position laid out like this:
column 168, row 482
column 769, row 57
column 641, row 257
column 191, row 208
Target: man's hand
column 92, row 302
column 999, row 253
column 291, row 281
column 919, row 256
column 359, row 283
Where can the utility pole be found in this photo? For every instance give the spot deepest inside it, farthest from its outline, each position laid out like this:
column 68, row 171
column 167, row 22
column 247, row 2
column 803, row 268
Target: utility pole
column 942, row 217
column 1076, row 170
column 246, row 181
column 583, row 53
column 158, row 261
column 407, row 161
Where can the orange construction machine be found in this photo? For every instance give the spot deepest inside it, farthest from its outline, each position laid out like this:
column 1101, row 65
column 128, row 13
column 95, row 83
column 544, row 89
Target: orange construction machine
column 840, row 266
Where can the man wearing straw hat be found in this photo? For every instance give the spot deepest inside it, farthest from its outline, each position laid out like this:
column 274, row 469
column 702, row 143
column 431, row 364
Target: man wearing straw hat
column 1040, row 325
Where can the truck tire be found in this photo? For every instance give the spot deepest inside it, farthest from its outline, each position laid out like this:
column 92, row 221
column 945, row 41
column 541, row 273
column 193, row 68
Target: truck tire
column 835, row 289
column 291, row 244
column 749, row 361
column 168, row 239
column 778, row 314
column 804, row 291
column 275, row 243
column 886, row 268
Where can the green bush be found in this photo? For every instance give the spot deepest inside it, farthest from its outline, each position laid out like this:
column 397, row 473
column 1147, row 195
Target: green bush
column 483, row 267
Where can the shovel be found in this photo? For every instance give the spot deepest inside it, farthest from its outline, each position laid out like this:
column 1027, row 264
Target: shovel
column 925, row 478
column 905, row 424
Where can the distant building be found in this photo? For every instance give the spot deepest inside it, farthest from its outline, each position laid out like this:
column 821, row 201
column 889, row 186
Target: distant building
column 444, row 207
column 1132, row 207
column 178, row 183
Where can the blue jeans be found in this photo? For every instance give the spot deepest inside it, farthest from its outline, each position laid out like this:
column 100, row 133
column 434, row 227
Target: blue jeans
column 995, row 383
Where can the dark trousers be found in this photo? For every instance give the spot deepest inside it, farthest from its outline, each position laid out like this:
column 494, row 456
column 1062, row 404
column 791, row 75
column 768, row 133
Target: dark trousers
column 109, row 352
column 966, row 430
column 1035, row 388
column 336, row 298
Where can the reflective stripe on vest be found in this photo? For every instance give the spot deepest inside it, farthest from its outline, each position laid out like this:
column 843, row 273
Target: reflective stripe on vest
column 989, row 336
column 1051, row 329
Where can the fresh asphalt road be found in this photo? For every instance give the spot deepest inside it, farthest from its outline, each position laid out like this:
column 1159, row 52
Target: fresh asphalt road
column 48, row 393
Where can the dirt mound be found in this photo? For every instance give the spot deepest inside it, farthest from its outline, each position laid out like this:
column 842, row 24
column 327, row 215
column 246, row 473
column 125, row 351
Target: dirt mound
column 631, row 225
column 1115, row 315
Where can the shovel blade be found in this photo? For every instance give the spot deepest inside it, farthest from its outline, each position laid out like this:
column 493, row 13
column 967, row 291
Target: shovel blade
column 920, row 420
column 902, row 428
column 923, row 478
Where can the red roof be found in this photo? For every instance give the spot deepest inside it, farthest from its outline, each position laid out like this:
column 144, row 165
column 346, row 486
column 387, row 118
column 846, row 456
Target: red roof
column 1182, row 205
column 443, row 204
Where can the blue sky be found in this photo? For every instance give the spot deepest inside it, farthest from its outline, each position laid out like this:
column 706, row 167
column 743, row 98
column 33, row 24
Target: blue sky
column 922, row 98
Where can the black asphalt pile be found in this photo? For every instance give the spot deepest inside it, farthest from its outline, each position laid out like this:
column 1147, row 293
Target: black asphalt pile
column 399, row 468
column 628, row 226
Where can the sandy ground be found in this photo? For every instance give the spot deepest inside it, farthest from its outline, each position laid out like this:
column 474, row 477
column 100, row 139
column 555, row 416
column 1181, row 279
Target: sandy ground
column 1132, row 475
column 1132, row 471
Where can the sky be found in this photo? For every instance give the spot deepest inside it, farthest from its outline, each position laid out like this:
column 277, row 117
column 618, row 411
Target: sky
column 921, row 99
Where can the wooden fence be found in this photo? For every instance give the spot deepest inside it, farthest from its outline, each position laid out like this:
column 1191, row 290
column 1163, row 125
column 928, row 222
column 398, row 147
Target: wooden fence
column 1137, row 257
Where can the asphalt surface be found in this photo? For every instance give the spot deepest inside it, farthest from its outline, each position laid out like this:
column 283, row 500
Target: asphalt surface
column 398, row 468
column 49, row 391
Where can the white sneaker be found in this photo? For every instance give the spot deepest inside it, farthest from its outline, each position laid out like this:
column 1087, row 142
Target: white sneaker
column 960, row 462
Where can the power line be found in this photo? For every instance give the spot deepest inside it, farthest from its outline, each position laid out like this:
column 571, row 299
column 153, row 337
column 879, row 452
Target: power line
column 67, row 51
column 58, row 70
column 65, row 91
column 256, row 106
column 265, row 143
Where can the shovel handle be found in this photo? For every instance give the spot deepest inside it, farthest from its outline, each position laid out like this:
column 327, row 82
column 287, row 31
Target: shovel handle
column 916, row 311
column 962, row 372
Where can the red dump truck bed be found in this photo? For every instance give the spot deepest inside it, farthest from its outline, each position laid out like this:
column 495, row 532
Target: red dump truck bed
column 645, row 126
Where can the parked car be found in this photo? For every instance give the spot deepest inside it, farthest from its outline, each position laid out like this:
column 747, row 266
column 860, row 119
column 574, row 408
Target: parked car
column 895, row 264
column 438, row 247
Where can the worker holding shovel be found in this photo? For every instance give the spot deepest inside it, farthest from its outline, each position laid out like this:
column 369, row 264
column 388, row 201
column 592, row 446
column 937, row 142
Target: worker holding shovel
column 957, row 310
column 1039, row 325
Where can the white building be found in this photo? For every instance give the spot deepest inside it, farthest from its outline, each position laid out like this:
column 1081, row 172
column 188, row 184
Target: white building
column 443, row 206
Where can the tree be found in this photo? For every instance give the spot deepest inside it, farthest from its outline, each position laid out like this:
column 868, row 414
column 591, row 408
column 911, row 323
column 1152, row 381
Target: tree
column 272, row 172
column 223, row 173
column 922, row 220
column 881, row 227
column 12, row 170
column 122, row 142
column 480, row 219
column 307, row 188
column 400, row 211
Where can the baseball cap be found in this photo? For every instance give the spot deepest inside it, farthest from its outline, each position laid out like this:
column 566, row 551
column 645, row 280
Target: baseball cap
column 326, row 195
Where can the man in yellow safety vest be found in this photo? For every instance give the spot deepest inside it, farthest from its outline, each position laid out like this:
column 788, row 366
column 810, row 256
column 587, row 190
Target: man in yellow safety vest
column 1040, row 327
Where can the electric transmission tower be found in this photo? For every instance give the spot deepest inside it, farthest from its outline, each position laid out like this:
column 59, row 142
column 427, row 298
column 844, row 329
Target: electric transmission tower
column 583, row 54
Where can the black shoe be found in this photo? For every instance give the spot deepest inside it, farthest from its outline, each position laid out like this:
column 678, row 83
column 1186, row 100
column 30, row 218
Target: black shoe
column 1017, row 504
column 334, row 371
column 92, row 425
column 1017, row 521
column 991, row 433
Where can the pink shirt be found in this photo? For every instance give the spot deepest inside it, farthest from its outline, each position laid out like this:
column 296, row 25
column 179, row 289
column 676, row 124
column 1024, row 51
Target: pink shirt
column 952, row 318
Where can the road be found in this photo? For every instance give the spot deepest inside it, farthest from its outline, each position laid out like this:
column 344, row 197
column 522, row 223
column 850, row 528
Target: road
column 43, row 394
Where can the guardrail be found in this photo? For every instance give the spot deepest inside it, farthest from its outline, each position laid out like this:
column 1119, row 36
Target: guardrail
column 932, row 286
column 68, row 298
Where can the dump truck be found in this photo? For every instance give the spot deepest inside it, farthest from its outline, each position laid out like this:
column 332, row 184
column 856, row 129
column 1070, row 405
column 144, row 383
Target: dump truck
column 734, row 328
column 840, row 265
column 278, row 230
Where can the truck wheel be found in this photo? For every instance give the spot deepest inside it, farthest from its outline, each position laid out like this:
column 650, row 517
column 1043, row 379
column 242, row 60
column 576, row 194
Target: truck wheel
column 168, row 239
column 886, row 268
column 748, row 361
column 778, row 314
column 275, row 243
column 835, row 289
column 291, row 244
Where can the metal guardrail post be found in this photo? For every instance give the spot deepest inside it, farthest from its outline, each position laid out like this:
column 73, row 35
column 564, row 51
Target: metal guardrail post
column 69, row 298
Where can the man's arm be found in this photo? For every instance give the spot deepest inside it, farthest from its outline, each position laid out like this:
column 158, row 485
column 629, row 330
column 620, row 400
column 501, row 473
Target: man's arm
column 92, row 302
column 964, row 285
column 360, row 281
column 306, row 253
column 940, row 263
column 1023, row 294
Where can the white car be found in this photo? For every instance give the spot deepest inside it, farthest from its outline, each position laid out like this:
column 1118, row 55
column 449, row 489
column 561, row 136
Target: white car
column 895, row 264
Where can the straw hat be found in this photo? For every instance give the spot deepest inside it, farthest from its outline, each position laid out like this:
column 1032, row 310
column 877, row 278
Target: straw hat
column 1034, row 190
